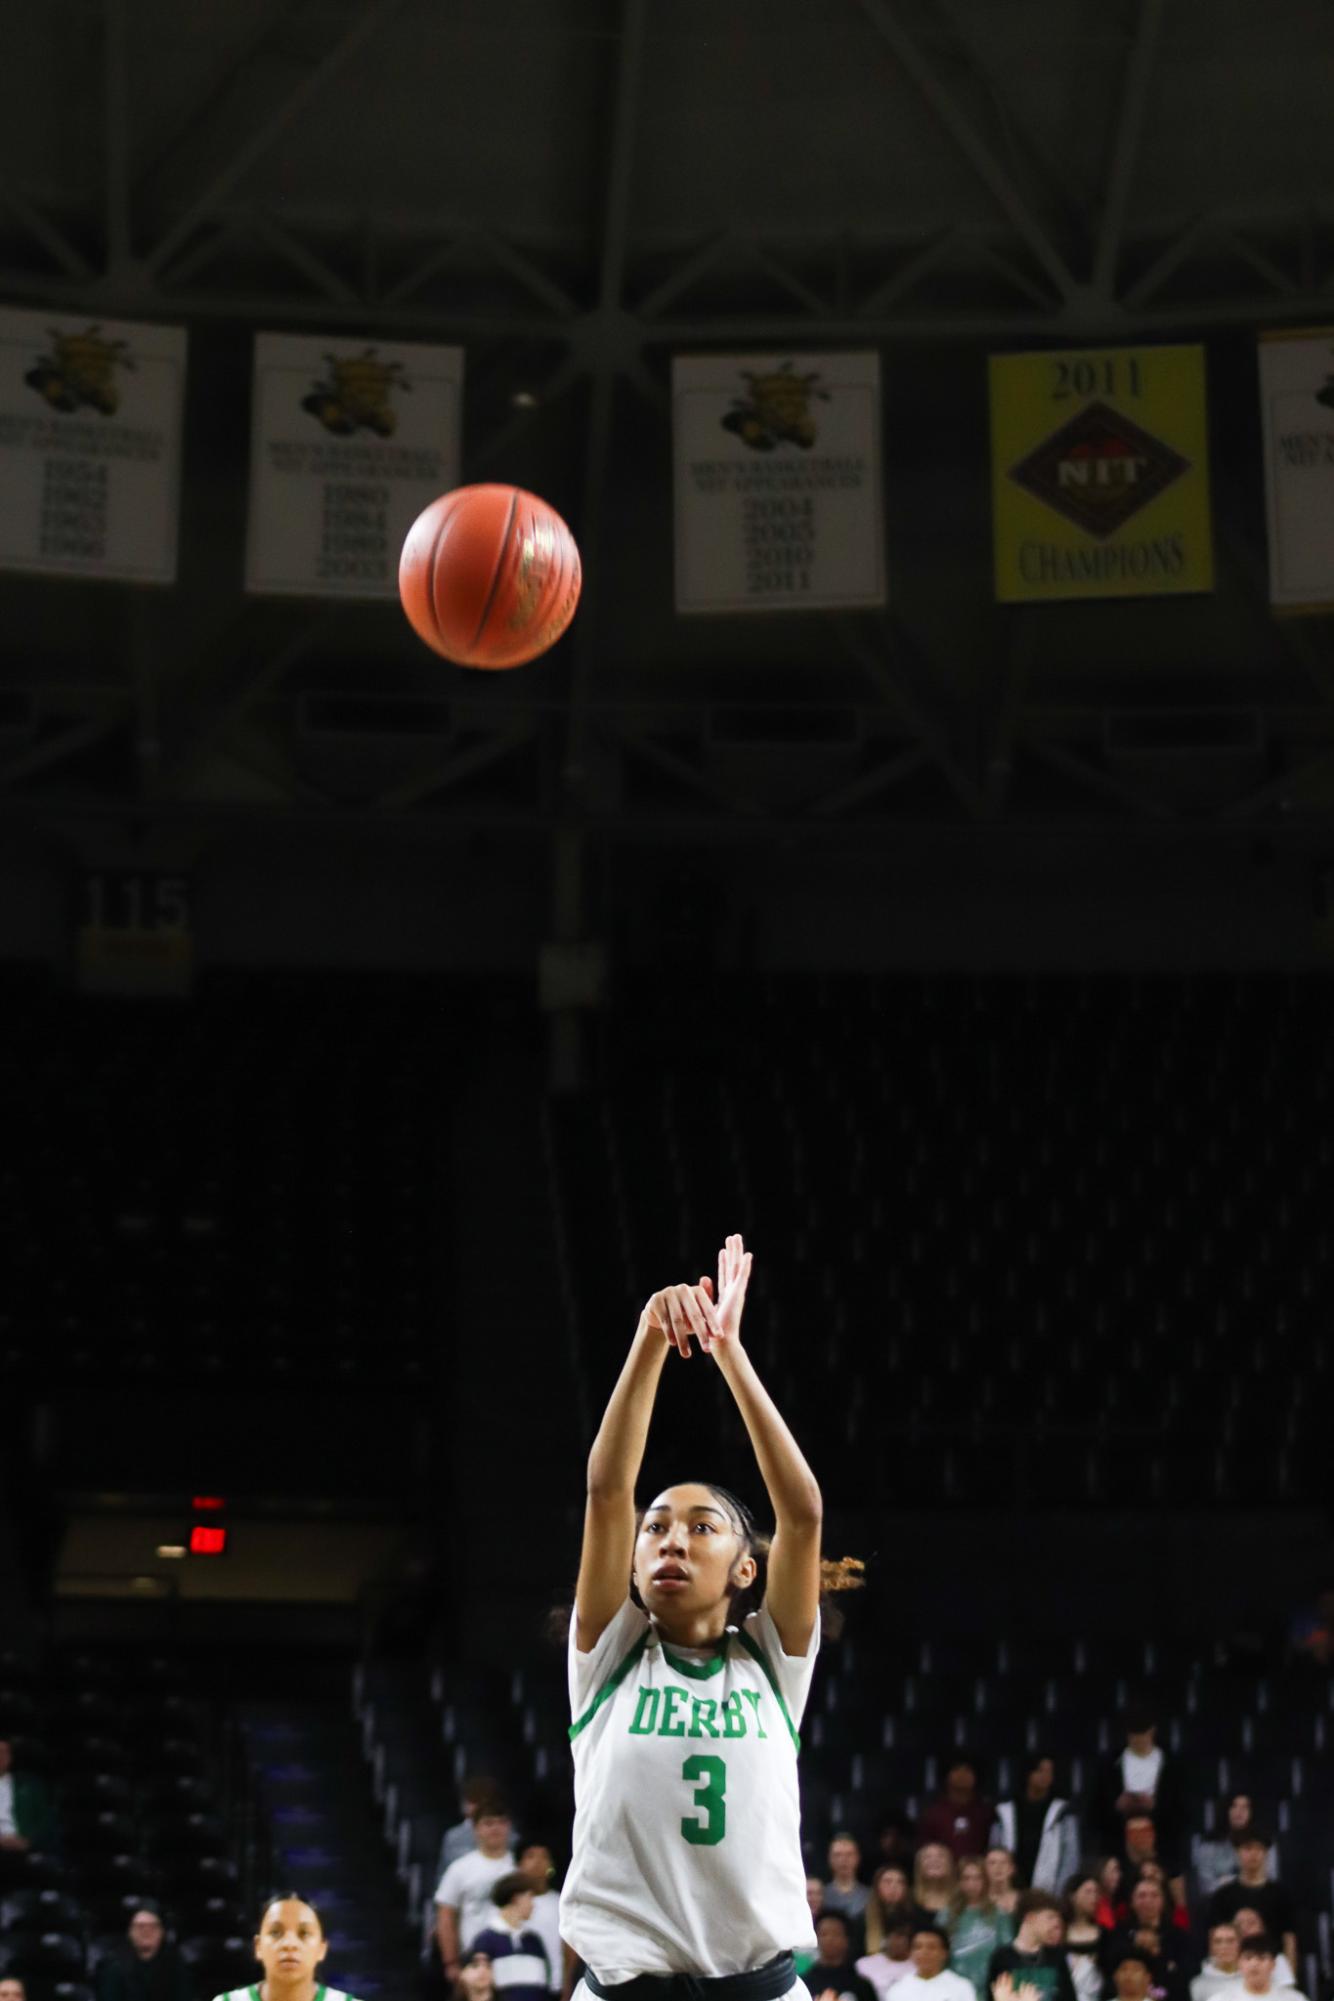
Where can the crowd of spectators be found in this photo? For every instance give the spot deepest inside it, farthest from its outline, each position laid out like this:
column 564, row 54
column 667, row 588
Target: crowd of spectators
column 1039, row 1897
column 1035, row 1897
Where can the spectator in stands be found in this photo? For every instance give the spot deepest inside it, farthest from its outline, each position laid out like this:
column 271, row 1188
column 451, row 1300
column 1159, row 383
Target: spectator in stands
column 832, row 1976
column 1249, row 1924
column 1133, row 1978
column 1176, row 1915
column 1141, row 1842
column 1222, row 1965
column 512, row 1942
column 1034, row 1958
column 804, row 1956
column 463, row 1894
column 1113, row 1910
column 1142, row 1779
column 1311, row 1635
column 1148, row 1930
column 934, row 1879
column 890, row 1903
column 893, row 1962
column 476, row 1981
column 461, row 1839
column 538, row 1865
column 1259, row 1973
column 960, row 1819
column 1038, row 1827
column 843, row 1892
column 1083, row 1934
column 1253, row 1888
column 973, row 1925
column 896, row 1838
column 1216, row 1860
column 1001, row 1879
column 12, row 1988
column 146, row 1967
column 932, row 1978
column 27, row 1816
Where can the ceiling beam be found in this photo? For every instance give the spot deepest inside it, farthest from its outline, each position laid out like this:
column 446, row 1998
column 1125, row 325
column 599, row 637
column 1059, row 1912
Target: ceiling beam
column 53, row 240
column 1126, row 137
column 880, row 669
column 368, row 21
column 884, row 17
column 613, row 242
column 116, row 115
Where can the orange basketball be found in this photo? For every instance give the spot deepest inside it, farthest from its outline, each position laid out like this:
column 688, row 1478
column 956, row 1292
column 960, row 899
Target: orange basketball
column 489, row 576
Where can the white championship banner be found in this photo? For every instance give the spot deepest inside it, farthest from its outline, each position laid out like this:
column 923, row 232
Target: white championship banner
column 90, row 445
column 1297, row 407
column 777, row 473
column 349, row 441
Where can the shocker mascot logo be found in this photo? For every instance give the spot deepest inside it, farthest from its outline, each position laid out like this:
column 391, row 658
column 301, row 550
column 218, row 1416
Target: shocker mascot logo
column 356, row 394
column 80, row 371
column 776, row 409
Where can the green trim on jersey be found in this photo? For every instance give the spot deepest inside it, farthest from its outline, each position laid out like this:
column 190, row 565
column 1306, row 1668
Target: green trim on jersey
column 697, row 1670
column 609, row 1686
column 253, row 1993
column 757, row 1652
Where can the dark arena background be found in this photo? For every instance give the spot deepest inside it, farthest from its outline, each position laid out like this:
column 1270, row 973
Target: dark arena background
column 918, row 855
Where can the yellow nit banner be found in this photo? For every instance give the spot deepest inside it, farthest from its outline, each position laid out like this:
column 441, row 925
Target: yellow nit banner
column 1100, row 473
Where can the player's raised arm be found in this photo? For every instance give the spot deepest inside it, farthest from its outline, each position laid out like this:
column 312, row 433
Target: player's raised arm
column 792, row 1593
column 669, row 1319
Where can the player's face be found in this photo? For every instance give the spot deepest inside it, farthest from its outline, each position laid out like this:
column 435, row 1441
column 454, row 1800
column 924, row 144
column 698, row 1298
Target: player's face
column 290, row 1944
column 11, row 1990
column 688, row 1555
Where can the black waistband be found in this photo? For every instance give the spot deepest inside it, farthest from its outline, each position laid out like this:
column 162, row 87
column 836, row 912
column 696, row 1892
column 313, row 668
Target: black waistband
column 762, row 1983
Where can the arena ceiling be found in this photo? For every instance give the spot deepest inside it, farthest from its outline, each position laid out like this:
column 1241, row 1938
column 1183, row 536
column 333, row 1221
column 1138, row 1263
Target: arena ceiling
column 575, row 190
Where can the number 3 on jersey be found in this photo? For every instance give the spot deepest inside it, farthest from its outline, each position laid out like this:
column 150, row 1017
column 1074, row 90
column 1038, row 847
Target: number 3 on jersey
column 709, row 1777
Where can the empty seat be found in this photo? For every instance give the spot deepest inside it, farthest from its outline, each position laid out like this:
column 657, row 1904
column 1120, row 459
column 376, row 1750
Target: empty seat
column 40, row 1911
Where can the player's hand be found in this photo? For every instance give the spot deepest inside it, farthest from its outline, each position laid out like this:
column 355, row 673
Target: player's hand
column 677, row 1313
column 723, row 1308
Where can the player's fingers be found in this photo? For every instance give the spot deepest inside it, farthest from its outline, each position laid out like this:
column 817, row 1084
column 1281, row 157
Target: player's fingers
column 704, row 1294
column 693, row 1312
column 680, row 1322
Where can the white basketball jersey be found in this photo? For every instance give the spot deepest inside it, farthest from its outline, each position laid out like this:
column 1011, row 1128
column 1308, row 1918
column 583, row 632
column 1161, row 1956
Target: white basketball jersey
column 253, row 1994
column 687, row 1824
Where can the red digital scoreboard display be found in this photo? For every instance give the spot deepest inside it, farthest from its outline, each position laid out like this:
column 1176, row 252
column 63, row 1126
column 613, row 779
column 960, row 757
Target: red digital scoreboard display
column 208, row 1539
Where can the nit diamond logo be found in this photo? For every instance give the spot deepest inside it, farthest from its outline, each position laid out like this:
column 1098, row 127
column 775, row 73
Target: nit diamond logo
column 1099, row 469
